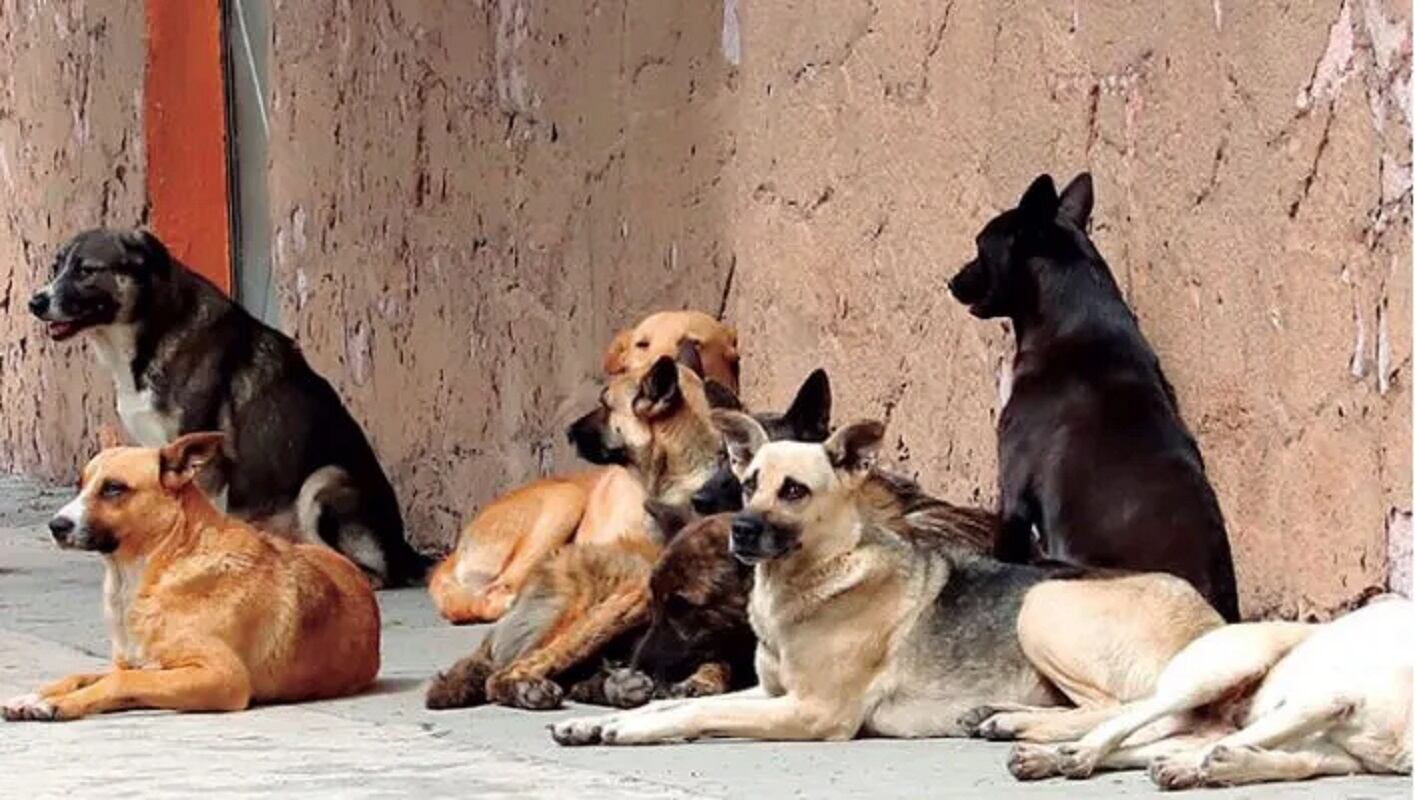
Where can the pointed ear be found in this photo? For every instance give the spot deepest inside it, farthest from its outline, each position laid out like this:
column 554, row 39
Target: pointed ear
column 670, row 518
column 614, row 363
column 659, row 392
column 1076, row 201
column 1039, row 201
column 719, row 396
column 690, row 355
column 181, row 460
column 809, row 414
column 109, row 436
column 743, row 435
column 855, row 447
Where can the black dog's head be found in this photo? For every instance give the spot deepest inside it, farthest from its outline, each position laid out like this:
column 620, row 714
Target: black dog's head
column 100, row 277
column 806, row 420
column 1044, row 232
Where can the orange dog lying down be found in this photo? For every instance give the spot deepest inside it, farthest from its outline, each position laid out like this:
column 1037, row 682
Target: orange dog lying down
column 205, row 612
column 513, row 534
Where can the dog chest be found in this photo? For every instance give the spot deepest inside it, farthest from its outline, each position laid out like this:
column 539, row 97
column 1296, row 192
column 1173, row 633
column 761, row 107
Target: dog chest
column 116, row 347
column 120, row 590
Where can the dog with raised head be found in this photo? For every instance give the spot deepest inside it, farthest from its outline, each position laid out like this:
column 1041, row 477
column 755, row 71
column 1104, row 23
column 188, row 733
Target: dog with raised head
column 184, row 358
column 1093, row 454
column 514, row 534
column 871, row 625
column 1258, row 702
column 205, row 612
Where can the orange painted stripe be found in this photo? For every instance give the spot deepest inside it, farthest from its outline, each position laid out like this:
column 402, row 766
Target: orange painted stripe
column 184, row 121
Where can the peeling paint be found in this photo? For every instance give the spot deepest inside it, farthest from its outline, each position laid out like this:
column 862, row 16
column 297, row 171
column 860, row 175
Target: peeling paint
column 1382, row 349
column 1334, row 66
column 1218, row 15
column 357, row 353
column 1398, row 551
column 731, row 33
column 1358, row 353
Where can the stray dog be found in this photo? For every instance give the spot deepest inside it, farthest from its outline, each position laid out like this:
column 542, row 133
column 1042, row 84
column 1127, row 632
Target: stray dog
column 205, row 612
column 866, row 624
column 1262, row 701
column 185, row 358
column 1092, row 450
column 589, row 596
column 514, row 534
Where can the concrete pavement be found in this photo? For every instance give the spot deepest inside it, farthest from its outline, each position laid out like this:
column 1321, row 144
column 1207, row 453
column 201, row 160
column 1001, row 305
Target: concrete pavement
column 384, row 744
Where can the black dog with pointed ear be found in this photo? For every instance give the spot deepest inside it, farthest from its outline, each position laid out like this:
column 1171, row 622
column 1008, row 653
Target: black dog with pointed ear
column 807, row 419
column 1092, row 451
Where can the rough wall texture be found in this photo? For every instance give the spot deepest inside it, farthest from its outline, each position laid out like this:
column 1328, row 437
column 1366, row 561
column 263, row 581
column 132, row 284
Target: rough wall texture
column 70, row 157
column 469, row 197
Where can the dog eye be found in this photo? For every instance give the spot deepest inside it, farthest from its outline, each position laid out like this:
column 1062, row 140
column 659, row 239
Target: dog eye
column 677, row 604
column 112, row 490
column 89, row 270
column 749, row 487
column 792, row 490
column 642, row 344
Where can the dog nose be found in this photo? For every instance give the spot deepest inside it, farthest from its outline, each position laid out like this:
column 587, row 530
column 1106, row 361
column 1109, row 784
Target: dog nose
column 39, row 303
column 747, row 529
column 60, row 528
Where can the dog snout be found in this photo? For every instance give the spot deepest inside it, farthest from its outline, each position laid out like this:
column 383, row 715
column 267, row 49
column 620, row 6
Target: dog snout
column 61, row 528
column 970, row 284
column 747, row 530
column 39, row 303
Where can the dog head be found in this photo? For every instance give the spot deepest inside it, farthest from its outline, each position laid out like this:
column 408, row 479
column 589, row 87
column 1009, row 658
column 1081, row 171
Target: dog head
column 129, row 496
column 1018, row 247
column 698, row 610
column 794, row 494
column 806, row 420
column 101, row 277
column 662, row 334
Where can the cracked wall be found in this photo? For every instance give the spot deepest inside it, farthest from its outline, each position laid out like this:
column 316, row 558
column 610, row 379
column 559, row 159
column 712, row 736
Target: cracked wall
column 70, row 157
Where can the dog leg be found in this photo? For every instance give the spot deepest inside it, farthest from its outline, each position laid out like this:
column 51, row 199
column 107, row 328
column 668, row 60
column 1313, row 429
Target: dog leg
column 1237, row 766
column 1043, row 724
column 709, row 679
column 783, row 718
column 37, row 705
column 526, row 682
column 194, row 688
column 1031, row 762
column 464, row 684
column 586, row 730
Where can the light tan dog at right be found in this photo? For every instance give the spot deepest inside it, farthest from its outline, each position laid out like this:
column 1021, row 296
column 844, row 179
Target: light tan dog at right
column 205, row 613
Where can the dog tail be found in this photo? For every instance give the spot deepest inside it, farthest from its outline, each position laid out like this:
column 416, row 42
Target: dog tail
column 330, row 511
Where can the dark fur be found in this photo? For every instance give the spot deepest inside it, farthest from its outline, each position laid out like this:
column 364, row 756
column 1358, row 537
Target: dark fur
column 1092, row 449
column 211, row 366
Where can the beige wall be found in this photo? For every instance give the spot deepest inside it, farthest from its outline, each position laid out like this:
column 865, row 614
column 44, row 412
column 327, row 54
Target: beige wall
column 71, row 157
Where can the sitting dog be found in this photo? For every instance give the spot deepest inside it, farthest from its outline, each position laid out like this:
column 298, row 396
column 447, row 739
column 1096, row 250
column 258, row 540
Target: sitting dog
column 205, row 612
column 1092, row 450
column 1263, row 701
column 514, row 534
column 871, row 624
column 184, row 358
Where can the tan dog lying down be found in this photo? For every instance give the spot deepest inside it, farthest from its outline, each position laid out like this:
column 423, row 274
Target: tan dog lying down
column 1262, row 701
column 205, row 612
column 870, row 624
column 515, row 533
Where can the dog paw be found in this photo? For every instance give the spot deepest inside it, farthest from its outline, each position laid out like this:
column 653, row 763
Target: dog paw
column 998, row 727
column 693, row 687
column 1031, row 762
column 971, row 721
column 628, row 688
column 1076, row 762
column 1222, row 763
column 29, row 708
column 533, row 694
column 576, row 732
column 1171, row 774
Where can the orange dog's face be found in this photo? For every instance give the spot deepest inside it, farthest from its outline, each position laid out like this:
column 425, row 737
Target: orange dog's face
column 662, row 334
column 129, row 494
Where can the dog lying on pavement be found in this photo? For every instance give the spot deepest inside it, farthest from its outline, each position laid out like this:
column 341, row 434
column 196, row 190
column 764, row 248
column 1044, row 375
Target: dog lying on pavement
column 1092, row 451
column 184, row 358
column 205, row 613
column 867, row 624
column 1261, row 701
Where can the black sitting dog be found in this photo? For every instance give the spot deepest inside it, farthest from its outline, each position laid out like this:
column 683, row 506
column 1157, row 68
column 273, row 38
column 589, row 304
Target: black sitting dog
column 1092, row 450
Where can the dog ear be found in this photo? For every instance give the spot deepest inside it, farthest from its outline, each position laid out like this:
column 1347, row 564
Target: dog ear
column 809, row 414
column 149, row 249
column 690, row 355
column 1076, row 201
column 855, row 447
column 719, row 396
column 614, row 362
column 1039, row 201
column 670, row 518
column 743, row 435
column 659, row 392
column 181, row 460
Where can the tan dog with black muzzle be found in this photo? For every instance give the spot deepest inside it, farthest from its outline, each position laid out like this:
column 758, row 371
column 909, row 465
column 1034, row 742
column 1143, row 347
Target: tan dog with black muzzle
column 870, row 624
column 205, row 613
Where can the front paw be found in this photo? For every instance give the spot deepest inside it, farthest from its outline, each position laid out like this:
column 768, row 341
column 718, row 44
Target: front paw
column 577, row 732
column 1176, row 773
column 971, row 721
column 1031, row 762
column 534, row 694
column 628, row 688
column 30, row 708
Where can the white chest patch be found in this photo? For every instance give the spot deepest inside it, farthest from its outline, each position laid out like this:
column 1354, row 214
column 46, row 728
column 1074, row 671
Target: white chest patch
column 116, row 346
column 120, row 591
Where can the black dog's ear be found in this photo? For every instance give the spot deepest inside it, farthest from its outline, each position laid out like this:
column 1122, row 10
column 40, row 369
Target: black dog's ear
column 659, row 392
column 670, row 518
column 743, row 435
column 690, row 355
column 855, row 447
column 1076, row 201
column 809, row 414
column 1039, row 202
column 719, row 396
column 145, row 249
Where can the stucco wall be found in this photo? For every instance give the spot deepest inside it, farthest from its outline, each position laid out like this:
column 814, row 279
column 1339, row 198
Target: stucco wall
column 468, row 198
column 71, row 156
